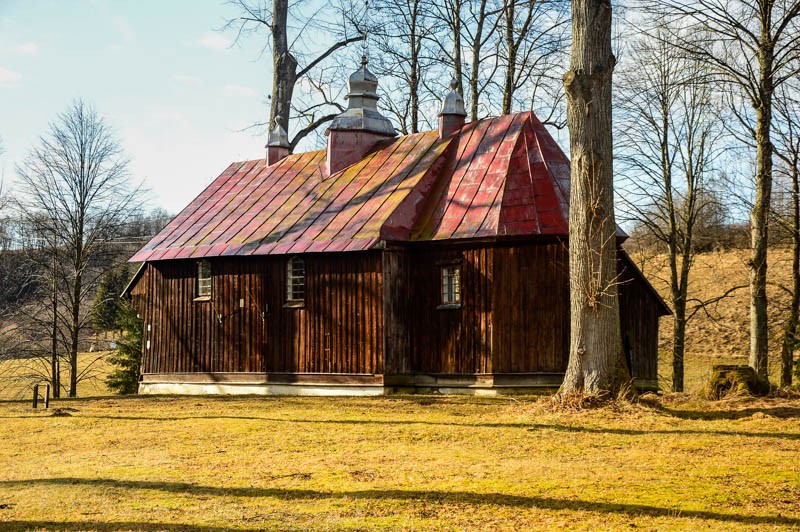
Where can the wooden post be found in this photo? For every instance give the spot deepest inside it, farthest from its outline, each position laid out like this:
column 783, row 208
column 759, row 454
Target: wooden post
column 35, row 396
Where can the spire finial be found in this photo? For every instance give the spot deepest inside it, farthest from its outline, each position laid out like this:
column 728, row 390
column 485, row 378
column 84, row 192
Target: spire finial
column 453, row 103
column 278, row 135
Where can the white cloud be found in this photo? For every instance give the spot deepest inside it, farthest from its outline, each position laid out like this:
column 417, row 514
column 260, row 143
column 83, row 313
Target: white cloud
column 238, row 90
column 28, row 48
column 124, row 28
column 214, row 41
column 179, row 81
column 9, row 79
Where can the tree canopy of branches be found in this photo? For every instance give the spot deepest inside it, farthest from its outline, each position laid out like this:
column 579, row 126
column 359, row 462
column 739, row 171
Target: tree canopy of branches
column 508, row 53
column 668, row 135
column 75, row 191
column 297, row 55
column 753, row 46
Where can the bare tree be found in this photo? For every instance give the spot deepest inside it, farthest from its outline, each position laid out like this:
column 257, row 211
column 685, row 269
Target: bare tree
column 787, row 107
column 471, row 32
column 74, row 192
column 754, row 47
column 534, row 41
column 669, row 136
column 401, row 30
column 596, row 363
column 292, row 43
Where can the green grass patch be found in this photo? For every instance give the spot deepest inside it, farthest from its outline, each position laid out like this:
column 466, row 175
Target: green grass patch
column 410, row 462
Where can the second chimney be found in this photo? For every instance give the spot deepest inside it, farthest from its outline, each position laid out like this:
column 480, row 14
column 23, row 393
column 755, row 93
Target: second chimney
column 453, row 115
column 277, row 143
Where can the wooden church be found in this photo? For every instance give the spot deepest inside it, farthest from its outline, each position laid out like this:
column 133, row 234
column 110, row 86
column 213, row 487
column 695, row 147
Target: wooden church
column 431, row 262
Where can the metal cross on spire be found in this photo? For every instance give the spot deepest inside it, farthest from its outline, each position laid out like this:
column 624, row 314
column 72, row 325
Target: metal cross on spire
column 365, row 28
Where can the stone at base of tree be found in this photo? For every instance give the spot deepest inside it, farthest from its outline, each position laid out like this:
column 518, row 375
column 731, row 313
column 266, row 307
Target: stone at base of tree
column 728, row 380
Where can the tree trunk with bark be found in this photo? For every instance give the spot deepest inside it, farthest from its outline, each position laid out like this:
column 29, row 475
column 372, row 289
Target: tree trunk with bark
column 284, row 66
column 596, row 363
column 759, row 228
column 790, row 340
column 55, row 376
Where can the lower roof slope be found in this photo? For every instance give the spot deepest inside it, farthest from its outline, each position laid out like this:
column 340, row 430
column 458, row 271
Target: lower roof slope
column 495, row 177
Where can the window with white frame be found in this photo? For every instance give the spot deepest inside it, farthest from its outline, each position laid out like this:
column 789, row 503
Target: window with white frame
column 451, row 284
column 204, row 279
column 295, row 280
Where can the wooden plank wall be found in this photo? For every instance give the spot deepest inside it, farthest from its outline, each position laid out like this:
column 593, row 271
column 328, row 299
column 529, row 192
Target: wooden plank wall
column 340, row 328
column 450, row 340
column 398, row 306
column 531, row 308
column 514, row 316
column 246, row 328
column 639, row 321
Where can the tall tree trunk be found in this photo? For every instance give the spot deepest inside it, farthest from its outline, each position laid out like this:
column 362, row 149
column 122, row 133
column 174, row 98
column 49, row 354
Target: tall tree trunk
column 511, row 58
column 759, row 218
column 596, row 362
column 456, row 28
column 790, row 329
column 680, row 289
column 75, row 331
column 284, row 66
column 413, row 85
column 477, row 47
column 55, row 378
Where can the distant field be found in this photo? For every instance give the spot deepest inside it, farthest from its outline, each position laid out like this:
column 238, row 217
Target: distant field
column 419, row 462
column 720, row 335
column 18, row 376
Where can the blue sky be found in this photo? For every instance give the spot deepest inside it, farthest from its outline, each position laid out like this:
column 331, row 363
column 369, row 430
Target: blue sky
column 174, row 90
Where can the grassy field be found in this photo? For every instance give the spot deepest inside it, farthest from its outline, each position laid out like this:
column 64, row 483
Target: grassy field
column 17, row 376
column 420, row 462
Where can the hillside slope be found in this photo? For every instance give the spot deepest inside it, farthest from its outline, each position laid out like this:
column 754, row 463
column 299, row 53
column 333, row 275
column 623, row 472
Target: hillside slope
column 720, row 333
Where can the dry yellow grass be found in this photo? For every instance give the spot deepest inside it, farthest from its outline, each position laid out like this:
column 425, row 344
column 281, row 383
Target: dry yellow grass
column 421, row 462
column 17, row 376
column 722, row 334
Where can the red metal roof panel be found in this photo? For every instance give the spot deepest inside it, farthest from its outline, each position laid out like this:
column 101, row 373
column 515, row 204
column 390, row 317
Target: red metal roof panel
column 499, row 176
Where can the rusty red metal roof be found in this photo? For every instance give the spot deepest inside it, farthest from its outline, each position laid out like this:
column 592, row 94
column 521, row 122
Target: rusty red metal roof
column 496, row 177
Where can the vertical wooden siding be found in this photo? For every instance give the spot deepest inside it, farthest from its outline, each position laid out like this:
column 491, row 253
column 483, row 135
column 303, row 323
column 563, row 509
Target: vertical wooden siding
column 245, row 326
column 639, row 323
column 531, row 308
column 514, row 316
column 450, row 340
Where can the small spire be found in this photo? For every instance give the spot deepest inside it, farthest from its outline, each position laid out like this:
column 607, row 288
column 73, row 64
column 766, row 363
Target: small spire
column 278, row 135
column 453, row 103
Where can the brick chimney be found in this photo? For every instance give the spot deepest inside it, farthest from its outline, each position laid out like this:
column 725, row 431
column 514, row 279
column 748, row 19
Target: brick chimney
column 453, row 115
column 277, row 143
column 354, row 132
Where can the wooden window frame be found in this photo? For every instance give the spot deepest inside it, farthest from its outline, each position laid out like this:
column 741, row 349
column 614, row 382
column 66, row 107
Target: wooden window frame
column 450, row 286
column 293, row 287
column 203, row 283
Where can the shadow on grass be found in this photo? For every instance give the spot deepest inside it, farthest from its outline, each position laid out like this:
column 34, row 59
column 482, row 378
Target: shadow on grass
column 528, row 426
column 633, row 432
column 456, row 497
column 782, row 412
column 112, row 525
